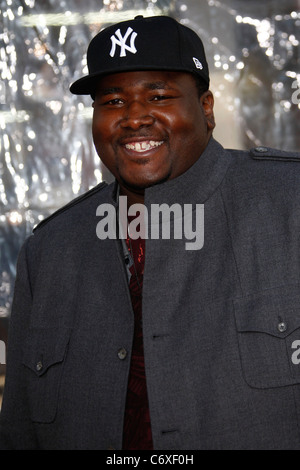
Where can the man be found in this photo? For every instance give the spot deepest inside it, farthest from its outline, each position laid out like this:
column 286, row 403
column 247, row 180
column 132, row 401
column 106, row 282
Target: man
column 137, row 340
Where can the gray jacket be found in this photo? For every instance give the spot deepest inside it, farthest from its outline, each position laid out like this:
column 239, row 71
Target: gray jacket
column 221, row 324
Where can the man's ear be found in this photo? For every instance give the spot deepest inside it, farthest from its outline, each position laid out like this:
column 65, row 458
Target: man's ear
column 207, row 101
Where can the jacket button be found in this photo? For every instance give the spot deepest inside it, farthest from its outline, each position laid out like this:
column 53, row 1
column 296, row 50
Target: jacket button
column 39, row 366
column 122, row 353
column 261, row 149
column 282, row 327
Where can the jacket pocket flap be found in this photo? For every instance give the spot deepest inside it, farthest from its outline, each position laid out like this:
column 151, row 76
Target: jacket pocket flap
column 44, row 348
column 268, row 333
column 274, row 313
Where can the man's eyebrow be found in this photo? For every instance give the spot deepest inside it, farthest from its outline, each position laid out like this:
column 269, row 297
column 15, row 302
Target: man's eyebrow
column 158, row 86
column 109, row 90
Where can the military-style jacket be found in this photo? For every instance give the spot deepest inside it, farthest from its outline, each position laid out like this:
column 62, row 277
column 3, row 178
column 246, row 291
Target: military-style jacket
column 221, row 323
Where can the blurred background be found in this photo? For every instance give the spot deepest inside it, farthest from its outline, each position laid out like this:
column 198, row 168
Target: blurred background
column 46, row 152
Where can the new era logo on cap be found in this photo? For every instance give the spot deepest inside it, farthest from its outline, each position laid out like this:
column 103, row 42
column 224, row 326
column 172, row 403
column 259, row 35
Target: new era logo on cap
column 197, row 63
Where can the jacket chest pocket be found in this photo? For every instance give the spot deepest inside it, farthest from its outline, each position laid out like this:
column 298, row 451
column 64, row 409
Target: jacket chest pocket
column 268, row 329
column 43, row 359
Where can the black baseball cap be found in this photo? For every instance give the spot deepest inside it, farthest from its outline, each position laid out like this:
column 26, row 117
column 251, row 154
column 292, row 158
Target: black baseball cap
column 144, row 43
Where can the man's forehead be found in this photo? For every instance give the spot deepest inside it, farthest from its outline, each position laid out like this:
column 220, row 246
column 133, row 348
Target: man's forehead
column 152, row 80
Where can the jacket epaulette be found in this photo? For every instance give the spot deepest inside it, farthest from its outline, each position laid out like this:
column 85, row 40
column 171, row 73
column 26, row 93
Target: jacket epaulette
column 70, row 204
column 268, row 153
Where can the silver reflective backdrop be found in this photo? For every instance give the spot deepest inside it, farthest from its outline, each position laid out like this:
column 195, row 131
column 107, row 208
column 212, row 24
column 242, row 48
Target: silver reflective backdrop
column 46, row 151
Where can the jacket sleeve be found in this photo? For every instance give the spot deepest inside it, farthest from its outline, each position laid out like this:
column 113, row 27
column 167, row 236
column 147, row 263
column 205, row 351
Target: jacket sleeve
column 16, row 429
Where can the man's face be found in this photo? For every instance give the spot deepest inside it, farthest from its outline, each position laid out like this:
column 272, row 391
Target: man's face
column 149, row 126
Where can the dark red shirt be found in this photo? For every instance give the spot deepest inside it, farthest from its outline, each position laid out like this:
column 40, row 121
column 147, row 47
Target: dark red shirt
column 137, row 428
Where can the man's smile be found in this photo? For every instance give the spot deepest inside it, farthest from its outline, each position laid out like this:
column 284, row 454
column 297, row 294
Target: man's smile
column 143, row 146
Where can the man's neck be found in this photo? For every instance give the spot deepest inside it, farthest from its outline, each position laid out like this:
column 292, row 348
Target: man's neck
column 132, row 197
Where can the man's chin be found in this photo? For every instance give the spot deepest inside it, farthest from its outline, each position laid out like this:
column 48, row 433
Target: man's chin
column 139, row 187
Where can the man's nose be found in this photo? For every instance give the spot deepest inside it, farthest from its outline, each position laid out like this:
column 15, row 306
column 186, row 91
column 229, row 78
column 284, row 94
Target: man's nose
column 137, row 115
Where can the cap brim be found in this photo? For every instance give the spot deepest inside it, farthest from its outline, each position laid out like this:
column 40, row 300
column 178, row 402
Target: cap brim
column 85, row 85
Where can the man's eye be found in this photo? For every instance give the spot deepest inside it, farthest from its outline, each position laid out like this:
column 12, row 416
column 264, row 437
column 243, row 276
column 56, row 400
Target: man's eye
column 114, row 101
column 160, row 97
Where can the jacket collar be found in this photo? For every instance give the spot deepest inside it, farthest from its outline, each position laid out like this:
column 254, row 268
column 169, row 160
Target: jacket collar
column 198, row 183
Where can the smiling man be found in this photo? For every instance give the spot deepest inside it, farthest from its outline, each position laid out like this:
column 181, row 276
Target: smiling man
column 137, row 343
column 141, row 120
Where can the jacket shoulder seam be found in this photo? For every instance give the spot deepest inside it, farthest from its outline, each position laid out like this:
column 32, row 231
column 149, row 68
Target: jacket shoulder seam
column 71, row 204
column 276, row 155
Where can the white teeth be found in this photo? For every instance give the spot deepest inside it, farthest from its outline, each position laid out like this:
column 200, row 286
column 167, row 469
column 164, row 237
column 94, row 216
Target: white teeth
column 143, row 146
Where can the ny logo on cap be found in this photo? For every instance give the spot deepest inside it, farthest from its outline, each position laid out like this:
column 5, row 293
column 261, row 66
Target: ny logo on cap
column 121, row 41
